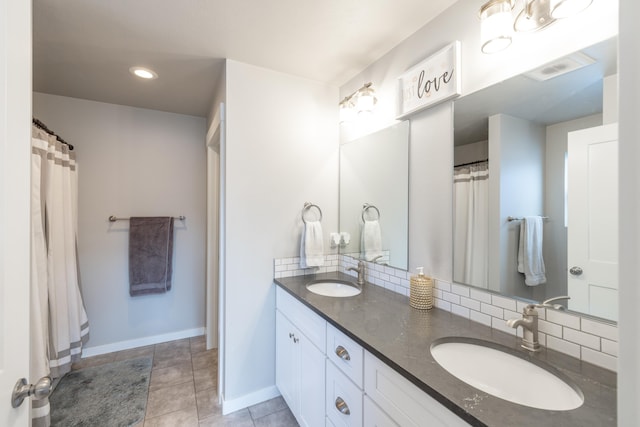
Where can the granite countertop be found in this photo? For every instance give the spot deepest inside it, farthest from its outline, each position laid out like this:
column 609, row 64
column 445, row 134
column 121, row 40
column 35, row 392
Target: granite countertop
column 384, row 324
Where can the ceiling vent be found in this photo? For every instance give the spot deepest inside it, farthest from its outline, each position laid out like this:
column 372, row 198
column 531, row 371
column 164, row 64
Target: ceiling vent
column 560, row 66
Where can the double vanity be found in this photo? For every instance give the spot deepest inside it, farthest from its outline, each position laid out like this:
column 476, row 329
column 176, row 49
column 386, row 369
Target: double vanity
column 370, row 359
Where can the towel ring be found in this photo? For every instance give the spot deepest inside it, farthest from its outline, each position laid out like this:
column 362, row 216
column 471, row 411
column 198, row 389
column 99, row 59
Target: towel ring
column 308, row 206
column 366, row 207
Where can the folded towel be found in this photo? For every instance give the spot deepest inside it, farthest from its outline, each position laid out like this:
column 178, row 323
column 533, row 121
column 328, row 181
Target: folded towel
column 530, row 261
column 371, row 240
column 150, row 255
column 311, row 245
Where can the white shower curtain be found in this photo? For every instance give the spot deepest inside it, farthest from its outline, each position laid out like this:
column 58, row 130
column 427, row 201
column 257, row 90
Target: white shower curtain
column 471, row 223
column 60, row 325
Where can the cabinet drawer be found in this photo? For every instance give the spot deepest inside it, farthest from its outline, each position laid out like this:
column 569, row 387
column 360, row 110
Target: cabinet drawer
column 374, row 416
column 405, row 403
column 309, row 323
column 345, row 395
column 346, row 354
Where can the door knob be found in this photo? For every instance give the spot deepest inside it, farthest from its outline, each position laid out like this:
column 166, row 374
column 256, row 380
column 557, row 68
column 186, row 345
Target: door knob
column 575, row 271
column 37, row 391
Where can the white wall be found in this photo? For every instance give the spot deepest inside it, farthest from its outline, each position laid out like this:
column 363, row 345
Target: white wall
column 629, row 132
column 516, row 184
column 134, row 162
column 281, row 150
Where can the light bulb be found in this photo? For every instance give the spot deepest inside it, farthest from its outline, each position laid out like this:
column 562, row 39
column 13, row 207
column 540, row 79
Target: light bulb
column 366, row 100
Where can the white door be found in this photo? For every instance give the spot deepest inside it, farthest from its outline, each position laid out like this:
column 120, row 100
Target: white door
column 311, row 372
column 15, row 147
column 593, row 221
column 286, row 363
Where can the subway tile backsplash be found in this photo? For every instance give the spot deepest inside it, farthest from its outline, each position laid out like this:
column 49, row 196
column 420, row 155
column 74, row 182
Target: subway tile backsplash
column 290, row 267
column 581, row 337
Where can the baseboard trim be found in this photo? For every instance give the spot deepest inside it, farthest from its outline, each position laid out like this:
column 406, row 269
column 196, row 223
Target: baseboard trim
column 141, row 342
column 232, row 405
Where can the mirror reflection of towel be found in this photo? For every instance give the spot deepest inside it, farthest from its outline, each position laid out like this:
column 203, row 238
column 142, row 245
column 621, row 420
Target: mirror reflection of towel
column 371, row 240
column 312, row 245
column 530, row 261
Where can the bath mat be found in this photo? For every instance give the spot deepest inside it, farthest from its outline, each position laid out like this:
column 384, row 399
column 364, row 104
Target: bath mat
column 114, row 394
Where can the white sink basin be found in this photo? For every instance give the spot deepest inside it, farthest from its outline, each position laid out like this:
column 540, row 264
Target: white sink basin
column 499, row 371
column 333, row 288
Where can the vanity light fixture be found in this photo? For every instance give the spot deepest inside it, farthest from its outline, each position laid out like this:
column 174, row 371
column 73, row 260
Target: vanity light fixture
column 566, row 8
column 143, row 73
column 362, row 100
column 500, row 18
column 347, row 110
column 534, row 16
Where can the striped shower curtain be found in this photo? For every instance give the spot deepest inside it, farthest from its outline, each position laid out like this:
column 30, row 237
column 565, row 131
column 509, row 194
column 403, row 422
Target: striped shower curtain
column 471, row 224
column 59, row 321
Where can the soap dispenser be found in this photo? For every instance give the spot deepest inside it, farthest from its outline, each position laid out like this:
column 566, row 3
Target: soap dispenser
column 421, row 291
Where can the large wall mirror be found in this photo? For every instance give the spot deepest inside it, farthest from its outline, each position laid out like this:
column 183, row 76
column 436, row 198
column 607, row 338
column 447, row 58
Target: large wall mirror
column 515, row 166
column 374, row 196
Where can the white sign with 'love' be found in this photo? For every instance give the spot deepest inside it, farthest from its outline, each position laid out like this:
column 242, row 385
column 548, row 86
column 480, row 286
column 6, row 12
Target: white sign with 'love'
column 433, row 80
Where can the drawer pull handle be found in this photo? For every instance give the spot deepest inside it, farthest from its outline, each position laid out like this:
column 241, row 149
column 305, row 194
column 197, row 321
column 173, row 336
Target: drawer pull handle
column 342, row 353
column 341, row 406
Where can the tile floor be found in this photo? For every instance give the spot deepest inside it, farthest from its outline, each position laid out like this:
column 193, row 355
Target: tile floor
column 183, row 388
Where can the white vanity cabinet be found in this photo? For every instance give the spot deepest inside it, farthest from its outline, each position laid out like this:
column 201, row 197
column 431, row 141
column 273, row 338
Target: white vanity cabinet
column 402, row 402
column 327, row 378
column 300, row 360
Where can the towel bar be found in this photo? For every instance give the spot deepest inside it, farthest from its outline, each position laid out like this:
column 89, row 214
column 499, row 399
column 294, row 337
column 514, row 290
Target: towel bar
column 514, row 218
column 114, row 218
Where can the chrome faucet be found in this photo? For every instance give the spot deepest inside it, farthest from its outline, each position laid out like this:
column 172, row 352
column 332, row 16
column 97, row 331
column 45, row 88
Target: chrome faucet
column 529, row 322
column 360, row 271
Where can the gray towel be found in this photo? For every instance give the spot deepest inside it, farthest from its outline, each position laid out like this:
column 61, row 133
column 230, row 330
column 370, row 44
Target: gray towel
column 150, row 255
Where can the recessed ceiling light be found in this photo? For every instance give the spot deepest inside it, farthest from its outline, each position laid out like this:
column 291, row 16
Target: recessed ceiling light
column 143, row 73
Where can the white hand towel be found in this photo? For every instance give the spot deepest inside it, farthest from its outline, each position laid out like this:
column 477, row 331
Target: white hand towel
column 312, row 245
column 530, row 261
column 371, row 240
